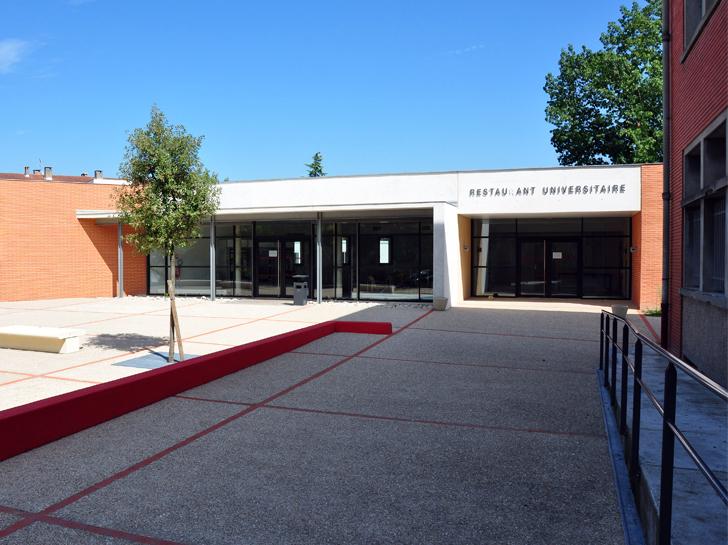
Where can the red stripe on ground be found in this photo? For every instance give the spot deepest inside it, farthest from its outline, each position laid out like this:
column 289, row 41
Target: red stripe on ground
column 434, row 422
column 151, row 459
column 46, row 420
column 649, row 327
column 482, row 365
column 31, row 517
column 517, row 335
column 148, row 348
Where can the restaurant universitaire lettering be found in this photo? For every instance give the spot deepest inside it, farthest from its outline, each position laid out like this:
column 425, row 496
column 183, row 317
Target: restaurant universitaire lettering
column 548, row 191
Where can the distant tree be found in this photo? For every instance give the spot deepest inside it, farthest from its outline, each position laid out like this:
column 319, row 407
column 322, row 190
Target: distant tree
column 316, row 167
column 607, row 104
column 169, row 193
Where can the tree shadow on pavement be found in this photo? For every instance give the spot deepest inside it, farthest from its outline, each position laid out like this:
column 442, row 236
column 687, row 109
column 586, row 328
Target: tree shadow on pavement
column 127, row 342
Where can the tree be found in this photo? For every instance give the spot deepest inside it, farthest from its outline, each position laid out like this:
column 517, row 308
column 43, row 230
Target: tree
column 316, row 167
column 607, row 104
column 169, row 193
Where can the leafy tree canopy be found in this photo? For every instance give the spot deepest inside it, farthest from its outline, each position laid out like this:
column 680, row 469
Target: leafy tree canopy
column 170, row 192
column 316, row 167
column 606, row 105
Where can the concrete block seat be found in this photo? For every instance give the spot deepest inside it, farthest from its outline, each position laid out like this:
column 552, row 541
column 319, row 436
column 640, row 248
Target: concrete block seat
column 41, row 339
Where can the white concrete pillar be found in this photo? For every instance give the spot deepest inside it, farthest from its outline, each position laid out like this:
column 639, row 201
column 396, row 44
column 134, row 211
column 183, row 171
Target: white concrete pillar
column 212, row 259
column 447, row 278
column 319, row 260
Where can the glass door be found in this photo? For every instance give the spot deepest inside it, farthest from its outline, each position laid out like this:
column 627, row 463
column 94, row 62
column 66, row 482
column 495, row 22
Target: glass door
column 532, row 266
column 342, row 264
column 563, row 268
column 268, row 266
column 295, row 264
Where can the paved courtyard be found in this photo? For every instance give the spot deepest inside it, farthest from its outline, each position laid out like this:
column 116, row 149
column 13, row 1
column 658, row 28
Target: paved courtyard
column 476, row 425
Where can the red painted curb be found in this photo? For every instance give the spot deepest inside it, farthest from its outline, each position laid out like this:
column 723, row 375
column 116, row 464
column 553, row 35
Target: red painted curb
column 35, row 424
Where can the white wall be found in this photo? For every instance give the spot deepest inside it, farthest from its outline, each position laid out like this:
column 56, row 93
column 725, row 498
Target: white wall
column 326, row 193
column 575, row 191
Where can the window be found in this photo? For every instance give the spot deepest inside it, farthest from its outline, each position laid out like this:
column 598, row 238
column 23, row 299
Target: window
column 384, row 251
column 714, row 246
column 692, row 246
column 695, row 13
column 704, row 235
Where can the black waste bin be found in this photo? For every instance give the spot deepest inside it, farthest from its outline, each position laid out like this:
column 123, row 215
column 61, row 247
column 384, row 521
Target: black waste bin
column 300, row 289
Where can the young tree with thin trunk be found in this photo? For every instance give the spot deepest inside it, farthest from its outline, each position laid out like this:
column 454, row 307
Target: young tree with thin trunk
column 169, row 195
column 316, row 166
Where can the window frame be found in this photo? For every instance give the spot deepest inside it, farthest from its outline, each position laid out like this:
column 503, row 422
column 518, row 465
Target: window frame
column 706, row 13
column 716, row 189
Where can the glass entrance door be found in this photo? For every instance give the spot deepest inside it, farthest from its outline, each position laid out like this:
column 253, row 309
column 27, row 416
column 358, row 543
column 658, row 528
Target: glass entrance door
column 295, row 264
column 268, row 268
column 563, row 268
column 532, row 280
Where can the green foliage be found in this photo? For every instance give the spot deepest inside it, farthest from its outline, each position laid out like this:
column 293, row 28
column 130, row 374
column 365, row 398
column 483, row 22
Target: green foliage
column 170, row 192
column 607, row 104
column 315, row 167
column 653, row 312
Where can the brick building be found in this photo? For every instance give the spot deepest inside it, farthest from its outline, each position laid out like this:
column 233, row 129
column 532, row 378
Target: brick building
column 696, row 109
column 47, row 253
column 581, row 232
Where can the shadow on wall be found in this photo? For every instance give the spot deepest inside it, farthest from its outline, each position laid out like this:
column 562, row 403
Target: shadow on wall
column 127, row 342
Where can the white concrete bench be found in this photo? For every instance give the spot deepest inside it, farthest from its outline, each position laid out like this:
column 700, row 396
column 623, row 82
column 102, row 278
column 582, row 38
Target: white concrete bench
column 40, row 339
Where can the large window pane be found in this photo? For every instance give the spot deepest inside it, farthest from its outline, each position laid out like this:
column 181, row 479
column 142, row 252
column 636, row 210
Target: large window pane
column 495, row 281
column 156, row 281
column 692, row 246
column 396, row 279
column 549, row 225
column 605, row 252
column 714, row 247
column 495, row 252
column 606, row 283
column 607, row 226
column 487, row 227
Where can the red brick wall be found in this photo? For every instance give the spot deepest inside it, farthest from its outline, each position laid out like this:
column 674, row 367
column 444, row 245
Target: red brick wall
column 699, row 92
column 46, row 253
column 647, row 239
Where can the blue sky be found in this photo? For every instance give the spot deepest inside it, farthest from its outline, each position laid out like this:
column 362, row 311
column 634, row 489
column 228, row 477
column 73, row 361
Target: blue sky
column 376, row 86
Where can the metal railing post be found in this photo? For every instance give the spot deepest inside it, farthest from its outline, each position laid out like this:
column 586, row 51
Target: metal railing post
column 613, row 380
column 668, row 456
column 606, row 351
column 634, row 457
column 623, row 388
column 601, row 341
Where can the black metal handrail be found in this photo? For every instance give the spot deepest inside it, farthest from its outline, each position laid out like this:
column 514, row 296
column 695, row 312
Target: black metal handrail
column 608, row 348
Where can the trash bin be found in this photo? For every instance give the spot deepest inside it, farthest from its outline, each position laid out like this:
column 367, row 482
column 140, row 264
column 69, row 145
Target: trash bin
column 300, row 289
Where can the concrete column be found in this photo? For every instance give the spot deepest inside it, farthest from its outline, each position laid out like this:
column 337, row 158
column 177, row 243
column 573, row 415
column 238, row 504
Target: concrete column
column 319, row 260
column 120, row 258
column 446, row 267
column 212, row 259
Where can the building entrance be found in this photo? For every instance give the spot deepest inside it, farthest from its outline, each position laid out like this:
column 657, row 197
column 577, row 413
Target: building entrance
column 552, row 257
column 549, row 267
column 278, row 262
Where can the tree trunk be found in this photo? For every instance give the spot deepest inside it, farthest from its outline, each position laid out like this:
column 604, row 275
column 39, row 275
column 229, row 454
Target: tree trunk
column 172, row 278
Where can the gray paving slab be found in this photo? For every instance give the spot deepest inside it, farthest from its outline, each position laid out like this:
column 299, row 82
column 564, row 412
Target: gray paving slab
column 570, row 325
column 40, row 533
column 43, row 476
column 280, row 477
column 514, row 398
column 340, row 343
column 256, row 383
column 398, row 314
column 458, row 347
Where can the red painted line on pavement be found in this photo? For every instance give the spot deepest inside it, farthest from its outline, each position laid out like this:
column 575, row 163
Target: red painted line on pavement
column 649, row 327
column 482, row 365
column 30, row 517
column 434, row 422
column 161, row 454
column 518, row 335
column 210, row 400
